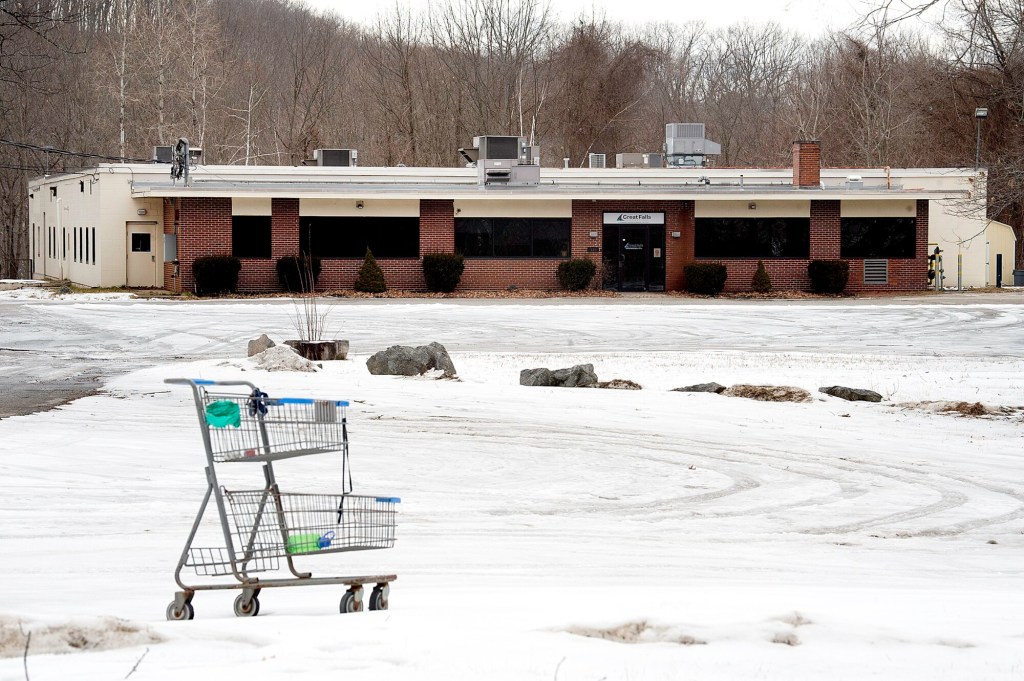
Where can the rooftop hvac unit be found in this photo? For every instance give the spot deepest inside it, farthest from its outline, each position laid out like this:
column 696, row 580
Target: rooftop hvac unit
column 504, row 160
column 686, row 145
column 336, row 157
column 165, row 154
column 638, row 160
column 596, row 160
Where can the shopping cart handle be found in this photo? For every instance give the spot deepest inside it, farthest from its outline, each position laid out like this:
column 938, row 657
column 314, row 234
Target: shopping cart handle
column 307, row 400
column 205, row 381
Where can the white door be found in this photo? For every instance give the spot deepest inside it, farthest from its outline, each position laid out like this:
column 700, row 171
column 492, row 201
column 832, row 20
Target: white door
column 141, row 243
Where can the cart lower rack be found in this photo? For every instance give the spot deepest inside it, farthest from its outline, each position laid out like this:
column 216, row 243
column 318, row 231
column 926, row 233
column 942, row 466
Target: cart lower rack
column 265, row 529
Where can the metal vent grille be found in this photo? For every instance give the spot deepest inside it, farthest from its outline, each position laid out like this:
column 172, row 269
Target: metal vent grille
column 597, row 160
column 876, row 272
column 684, row 130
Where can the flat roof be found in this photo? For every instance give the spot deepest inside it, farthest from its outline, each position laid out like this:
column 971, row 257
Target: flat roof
column 152, row 180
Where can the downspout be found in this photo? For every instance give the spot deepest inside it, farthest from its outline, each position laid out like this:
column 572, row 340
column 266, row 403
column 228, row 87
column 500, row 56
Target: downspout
column 888, row 178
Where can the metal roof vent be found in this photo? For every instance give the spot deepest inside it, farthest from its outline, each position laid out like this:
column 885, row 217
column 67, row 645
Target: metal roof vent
column 336, row 157
column 686, row 145
column 503, row 160
column 596, row 160
column 876, row 272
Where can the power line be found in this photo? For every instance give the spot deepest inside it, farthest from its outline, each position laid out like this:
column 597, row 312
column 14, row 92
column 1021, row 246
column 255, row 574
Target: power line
column 68, row 152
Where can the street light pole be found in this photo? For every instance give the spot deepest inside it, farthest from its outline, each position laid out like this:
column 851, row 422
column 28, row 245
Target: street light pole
column 979, row 113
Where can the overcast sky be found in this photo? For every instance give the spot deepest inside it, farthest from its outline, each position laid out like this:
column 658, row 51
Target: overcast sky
column 811, row 17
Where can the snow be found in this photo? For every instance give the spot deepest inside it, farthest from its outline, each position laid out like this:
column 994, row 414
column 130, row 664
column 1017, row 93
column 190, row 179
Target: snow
column 547, row 533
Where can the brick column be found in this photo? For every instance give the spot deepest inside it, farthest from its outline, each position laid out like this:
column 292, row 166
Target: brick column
column 437, row 226
column 825, row 230
column 921, row 252
column 284, row 228
column 204, row 228
column 679, row 217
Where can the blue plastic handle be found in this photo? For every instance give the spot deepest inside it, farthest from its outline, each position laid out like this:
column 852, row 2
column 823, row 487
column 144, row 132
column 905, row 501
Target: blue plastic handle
column 388, row 500
column 203, row 381
column 306, row 400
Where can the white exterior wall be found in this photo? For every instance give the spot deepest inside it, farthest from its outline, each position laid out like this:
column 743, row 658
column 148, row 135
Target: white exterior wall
column 104, row 203
column 1001, row 240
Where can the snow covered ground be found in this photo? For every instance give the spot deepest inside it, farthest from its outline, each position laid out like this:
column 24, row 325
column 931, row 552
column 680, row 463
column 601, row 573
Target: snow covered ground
column 544, row 533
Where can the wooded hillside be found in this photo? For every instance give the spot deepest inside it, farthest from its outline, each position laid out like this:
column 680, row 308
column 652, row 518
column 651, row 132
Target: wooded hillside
column 269, row 81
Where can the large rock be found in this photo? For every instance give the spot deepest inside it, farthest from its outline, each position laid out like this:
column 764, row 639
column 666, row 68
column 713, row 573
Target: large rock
column 769, row 393
column 258, row 345
column 852, row 394
column 620, row 384
column 579, row 376
column 701, row 388
column 403, row 360
column 540, row 377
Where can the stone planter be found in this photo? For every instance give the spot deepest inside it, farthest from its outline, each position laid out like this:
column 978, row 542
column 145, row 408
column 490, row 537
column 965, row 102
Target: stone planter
column 320, row 351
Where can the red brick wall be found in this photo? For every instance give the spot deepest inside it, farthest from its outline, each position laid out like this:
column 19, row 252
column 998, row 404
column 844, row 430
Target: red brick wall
column 791, row 274
column 905, row 274
column 588, row 216
column 806, row 164
column 204, row 228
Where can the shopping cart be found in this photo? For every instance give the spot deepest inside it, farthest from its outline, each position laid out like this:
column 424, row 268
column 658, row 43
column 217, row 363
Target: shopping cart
column 263, row 527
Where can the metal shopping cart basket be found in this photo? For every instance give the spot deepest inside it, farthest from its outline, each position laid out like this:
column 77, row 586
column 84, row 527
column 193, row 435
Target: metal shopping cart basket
column 263, row 527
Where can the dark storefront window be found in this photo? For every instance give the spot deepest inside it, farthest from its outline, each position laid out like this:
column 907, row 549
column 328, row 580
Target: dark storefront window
column 350, row 236
column 878, row 237
column 513, row 237
column 752, row 237
column 250, row 236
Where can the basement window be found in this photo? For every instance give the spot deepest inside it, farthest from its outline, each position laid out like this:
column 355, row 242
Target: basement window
column 250, row 236
column 350, row 236
column 752, row 238
column 878, row 237
column 513, row 237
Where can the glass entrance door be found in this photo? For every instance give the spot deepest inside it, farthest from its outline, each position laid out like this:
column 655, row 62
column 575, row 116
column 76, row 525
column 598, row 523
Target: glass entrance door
column 634, row 243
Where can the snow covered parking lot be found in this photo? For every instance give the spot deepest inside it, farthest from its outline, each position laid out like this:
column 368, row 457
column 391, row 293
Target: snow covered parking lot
column 544, row 533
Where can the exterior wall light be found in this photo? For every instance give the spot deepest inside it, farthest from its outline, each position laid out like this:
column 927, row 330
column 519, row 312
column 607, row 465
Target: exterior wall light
column 676, row 235
column 141, row 211
column 359, row 205
column 752, row 206
column 593, row 235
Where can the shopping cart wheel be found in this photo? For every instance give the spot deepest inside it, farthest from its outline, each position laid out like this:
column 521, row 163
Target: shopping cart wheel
column 352, row 601
column 186, row 613
column 243, row 609
column 379, row 597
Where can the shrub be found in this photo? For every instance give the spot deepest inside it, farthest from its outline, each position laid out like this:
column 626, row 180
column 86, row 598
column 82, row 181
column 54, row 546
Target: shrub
column 216, row 274
column 575, row 275
column 761, row 283
column 443, row 271
column 705, row 278
column 828, row 276
column 370, row 278
column 298, row 273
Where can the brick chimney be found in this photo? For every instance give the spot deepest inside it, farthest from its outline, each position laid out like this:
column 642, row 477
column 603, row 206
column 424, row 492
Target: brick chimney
column 807, row 163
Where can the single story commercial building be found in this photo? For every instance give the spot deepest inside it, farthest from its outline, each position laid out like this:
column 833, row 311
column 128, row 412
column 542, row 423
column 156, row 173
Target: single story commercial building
column 131, row 225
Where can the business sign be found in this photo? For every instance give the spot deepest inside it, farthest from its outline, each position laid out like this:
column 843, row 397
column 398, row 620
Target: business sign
column 634, row 218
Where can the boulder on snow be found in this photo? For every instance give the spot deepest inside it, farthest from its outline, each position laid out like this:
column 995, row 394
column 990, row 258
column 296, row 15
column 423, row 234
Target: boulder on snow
column 403, row 360
column 769, row 393
column 579, row 376
column 258, row 345
column 701, row 388
column 851, row 394
column 620, row 384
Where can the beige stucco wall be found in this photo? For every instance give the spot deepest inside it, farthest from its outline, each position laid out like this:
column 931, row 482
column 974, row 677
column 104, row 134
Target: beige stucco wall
column 1001, row 240
column 762, row 209
column 251, row 205
column 387, row 208
column 491, row 208
column 878, row 209
column 99, row 200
